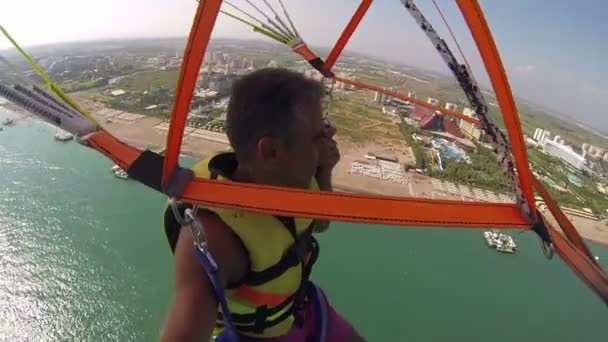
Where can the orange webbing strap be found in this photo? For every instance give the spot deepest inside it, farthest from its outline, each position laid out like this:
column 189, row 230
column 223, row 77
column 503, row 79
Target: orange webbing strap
column 583, row 266
column 305, row 52
column 322, row 205
column 353, row 207
column 565, row 224
column 260, row 298
column 405, row 98
column 202, row 26
column 312, row 59
column 120, row 153
column 346, row 34
column 491, row 59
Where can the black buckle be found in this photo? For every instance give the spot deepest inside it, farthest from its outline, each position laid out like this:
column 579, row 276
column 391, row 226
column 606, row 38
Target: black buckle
column 546, row 243
column 261, row 315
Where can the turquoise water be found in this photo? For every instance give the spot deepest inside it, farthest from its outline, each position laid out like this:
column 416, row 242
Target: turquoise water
column 82, row 257
column 575, row 180
column 450, row 150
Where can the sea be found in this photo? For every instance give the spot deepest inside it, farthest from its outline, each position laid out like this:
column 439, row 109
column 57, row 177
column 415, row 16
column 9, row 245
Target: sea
column 83, row 258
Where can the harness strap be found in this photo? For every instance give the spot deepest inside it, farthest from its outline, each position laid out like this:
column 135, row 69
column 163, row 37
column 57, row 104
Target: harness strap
column 264, row 311
column 208, row 264
column 321, row 313
column 293, row 256
column 261, row 324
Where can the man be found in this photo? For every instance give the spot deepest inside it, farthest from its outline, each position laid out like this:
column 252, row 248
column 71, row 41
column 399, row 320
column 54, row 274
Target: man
column 275, row 124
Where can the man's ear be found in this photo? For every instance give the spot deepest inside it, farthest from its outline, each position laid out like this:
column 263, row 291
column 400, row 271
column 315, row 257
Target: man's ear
column 267, row 148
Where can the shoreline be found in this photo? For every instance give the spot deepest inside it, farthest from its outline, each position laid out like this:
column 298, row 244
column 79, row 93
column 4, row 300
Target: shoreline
column 144, row 132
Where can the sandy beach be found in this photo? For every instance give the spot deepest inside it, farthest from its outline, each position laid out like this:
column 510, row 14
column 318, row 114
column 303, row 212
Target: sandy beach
column 151, row 133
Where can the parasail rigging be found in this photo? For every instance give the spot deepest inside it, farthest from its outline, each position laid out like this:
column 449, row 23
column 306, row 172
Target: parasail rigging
column 164, row 174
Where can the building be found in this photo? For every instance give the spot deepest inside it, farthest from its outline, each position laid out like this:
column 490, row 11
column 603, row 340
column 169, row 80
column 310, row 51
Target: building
column 537, row 133
column 451, row 107
column 378, row 97
column 389, row 98
column 425, row 118
column 220, row 83
column 433, row 101
column 118, row 92
column 411, row 94
column 565, row 153
column 596, row 152
column 471, row 130
column 313, row 74
column 541, row 135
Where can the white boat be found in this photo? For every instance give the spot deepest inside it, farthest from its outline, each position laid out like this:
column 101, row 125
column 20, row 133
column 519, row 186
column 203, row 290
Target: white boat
column 63, row 136
column 505, row 249
column 116, row 168
column 501, row 242
column 121, row 174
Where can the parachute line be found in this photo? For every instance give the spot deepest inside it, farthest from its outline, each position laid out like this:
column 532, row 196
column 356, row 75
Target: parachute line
column 476, row 99
column 275, row 33
column 272, row 22
column 50, row 84
column 293, row 27
column 263, row 30
column 447, row 25
column 277, row 17
column 475, row 20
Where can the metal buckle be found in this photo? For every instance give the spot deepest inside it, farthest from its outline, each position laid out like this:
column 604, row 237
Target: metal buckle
column 196, row 228
column 547, row 248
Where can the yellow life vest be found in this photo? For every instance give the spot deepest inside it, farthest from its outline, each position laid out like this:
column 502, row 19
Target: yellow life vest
column 281, row 252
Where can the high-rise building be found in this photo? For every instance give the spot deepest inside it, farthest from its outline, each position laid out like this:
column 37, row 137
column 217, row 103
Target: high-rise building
column 451, row 107
column 433, row 101
column 411, row 94
column 220, row 59
column 541, row 135
column 389, row 98
column 537, row 133
column 471, row 130
column 565, row 153
column 585, row 147
column 378, row 97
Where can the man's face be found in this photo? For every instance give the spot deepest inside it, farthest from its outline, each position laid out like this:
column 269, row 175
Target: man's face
column 297, row 163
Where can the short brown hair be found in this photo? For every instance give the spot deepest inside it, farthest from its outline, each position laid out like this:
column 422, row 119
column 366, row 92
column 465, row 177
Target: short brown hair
column 265, row 103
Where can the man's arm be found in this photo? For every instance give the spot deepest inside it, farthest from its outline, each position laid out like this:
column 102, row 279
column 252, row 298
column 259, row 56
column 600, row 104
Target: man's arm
column 193, row 311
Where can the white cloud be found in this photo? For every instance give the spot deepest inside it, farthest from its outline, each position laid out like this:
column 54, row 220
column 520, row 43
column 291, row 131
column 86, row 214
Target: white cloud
column 525, row 69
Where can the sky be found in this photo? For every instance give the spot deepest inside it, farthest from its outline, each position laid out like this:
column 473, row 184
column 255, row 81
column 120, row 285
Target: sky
column 553, row 50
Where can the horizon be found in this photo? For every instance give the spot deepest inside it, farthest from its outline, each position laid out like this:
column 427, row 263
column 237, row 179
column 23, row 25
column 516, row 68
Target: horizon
column 541, row 69
column 442, row 73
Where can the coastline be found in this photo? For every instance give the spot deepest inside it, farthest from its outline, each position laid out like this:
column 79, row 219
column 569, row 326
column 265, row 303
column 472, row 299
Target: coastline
column 146, row 132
